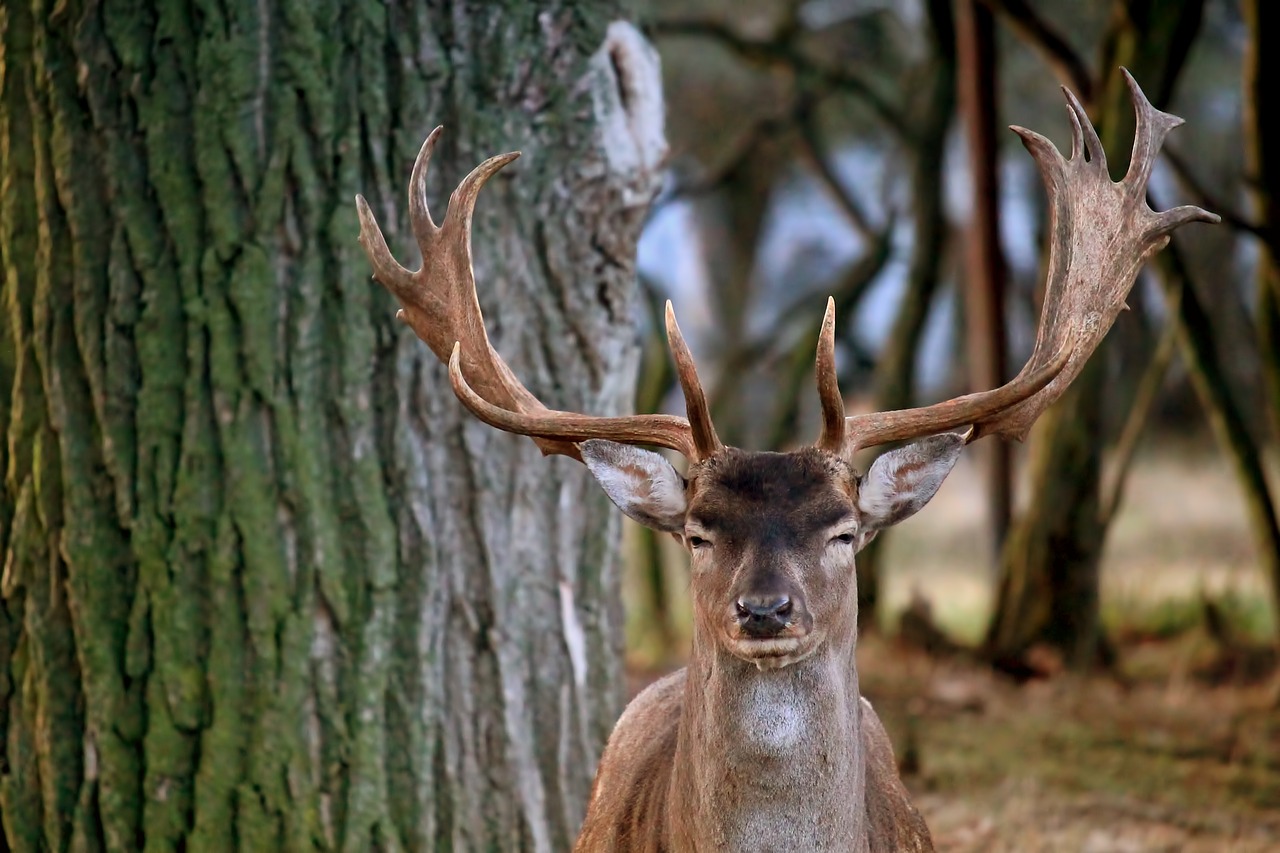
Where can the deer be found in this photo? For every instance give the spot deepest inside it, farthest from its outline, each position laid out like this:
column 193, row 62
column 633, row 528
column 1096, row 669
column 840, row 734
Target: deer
column 764, row 742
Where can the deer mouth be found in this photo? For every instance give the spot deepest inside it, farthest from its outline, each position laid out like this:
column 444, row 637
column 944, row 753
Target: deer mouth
column 771, row 652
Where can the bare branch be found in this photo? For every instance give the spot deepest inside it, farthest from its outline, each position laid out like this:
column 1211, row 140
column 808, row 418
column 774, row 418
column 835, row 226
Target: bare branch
column 1208, row 199
column 811, row 149
column 1040, row 36
column 1144, row 399
column 783, row 51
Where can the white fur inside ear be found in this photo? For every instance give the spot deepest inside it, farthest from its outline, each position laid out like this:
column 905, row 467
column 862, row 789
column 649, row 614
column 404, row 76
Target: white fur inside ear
column 902, row 481
column 641, row 483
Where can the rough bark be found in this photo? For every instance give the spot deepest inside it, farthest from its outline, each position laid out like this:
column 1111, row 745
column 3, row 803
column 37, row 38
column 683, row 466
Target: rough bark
column 264, row 586
column 1049, row 567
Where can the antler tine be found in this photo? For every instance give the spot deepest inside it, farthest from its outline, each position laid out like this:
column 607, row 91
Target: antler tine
column 667, row 431
column 868, row 430
column 832, row 436
column 1152, row 127
column 439, row 303
column 1084, row 136
column 705, row 439
column 424, row 229
column 1101, row 234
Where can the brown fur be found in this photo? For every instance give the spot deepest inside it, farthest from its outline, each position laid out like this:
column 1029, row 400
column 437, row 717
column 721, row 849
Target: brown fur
column 631, row 791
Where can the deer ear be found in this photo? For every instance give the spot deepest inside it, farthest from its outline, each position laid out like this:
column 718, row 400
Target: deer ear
column 641, row 483
column 902, row 481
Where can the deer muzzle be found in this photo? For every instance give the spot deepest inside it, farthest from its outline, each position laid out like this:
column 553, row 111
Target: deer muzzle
column 763, row 616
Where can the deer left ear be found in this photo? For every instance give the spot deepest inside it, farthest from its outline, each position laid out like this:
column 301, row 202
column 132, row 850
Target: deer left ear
column 902, row 481
column 641, row 483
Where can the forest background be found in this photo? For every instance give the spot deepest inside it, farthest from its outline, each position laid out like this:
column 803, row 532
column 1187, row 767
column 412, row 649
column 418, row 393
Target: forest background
column 266, row 587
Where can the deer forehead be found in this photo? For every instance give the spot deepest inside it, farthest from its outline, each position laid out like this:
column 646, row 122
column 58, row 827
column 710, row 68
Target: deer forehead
column 747, row 495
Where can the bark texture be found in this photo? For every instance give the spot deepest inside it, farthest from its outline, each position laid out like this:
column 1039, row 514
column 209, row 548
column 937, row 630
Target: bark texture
column 264, row 586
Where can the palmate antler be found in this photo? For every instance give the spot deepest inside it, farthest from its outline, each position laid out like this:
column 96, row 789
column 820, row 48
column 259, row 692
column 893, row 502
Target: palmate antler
column 1101, row 234
column 439, row 303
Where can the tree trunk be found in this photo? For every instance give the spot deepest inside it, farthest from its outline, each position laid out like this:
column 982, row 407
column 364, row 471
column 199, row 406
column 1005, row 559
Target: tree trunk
column 1262, row 150
column 265, row 586
column 984, row 259
column 1049, row 567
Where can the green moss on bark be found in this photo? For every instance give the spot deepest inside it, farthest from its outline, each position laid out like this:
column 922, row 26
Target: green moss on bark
column 249, row 580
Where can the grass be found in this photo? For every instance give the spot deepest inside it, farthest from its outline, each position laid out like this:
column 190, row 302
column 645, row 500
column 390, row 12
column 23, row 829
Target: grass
column 1082, row 763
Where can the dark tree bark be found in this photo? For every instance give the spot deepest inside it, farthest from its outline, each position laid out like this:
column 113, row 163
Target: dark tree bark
column 1262, row 150
column 265, row 587
column 1049, row 567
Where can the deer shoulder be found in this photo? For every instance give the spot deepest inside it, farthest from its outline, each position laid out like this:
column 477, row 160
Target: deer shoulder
column 894, row 825
column 633, row 783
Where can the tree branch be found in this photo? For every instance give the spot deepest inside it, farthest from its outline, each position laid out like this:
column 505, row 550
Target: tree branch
column 1144, row 399
column 1207, row 199
column 811, row 150
column 782, row 51
column 1039, row 35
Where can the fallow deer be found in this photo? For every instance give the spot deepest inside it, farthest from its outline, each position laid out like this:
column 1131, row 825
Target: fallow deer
column 764, row 741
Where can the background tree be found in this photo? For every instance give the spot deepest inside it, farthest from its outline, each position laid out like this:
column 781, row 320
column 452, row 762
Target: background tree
column 264, row 586
column 1049, row 586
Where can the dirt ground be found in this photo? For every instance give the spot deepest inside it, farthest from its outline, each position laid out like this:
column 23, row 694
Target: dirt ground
column 1082, row 764
column 1163, row 757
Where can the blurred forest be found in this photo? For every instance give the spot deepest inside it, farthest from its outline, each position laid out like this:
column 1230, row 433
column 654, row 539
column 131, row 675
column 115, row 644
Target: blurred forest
column 849, row 148
column 266, row 586
column 858, row 148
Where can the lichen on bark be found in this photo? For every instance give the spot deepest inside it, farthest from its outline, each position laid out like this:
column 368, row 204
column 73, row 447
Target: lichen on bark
column 264, row 585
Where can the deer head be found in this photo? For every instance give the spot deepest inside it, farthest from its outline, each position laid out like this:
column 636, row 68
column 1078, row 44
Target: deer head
column 772, row 536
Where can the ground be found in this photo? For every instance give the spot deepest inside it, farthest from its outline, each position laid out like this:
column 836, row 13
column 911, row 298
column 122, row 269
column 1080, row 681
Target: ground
column 1082, row 764
column 1177, row 751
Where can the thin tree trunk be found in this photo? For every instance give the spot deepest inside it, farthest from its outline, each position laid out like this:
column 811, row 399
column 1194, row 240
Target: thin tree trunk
column 265, row 587
column 1225, row 415
column 985, row 268
column 1262, row 151
column 1048, row 588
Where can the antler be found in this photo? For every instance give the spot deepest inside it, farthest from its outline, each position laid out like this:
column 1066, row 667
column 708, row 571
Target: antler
column 1102, row 233
column 439, row 303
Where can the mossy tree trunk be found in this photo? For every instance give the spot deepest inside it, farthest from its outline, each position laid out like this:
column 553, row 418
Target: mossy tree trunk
column 264, row 586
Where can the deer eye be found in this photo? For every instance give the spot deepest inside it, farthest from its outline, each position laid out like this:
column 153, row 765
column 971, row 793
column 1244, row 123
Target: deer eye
column 699, row 542
column 844, row 538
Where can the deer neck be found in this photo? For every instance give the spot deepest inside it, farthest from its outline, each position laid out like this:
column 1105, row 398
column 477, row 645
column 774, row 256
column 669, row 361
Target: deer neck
column 770, row 759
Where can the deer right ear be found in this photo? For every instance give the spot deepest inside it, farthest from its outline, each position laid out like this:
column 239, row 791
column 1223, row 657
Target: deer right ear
column 902, row 481
column 641, row 483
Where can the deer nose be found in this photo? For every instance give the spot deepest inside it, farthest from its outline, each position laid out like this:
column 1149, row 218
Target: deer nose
column 763, row 616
